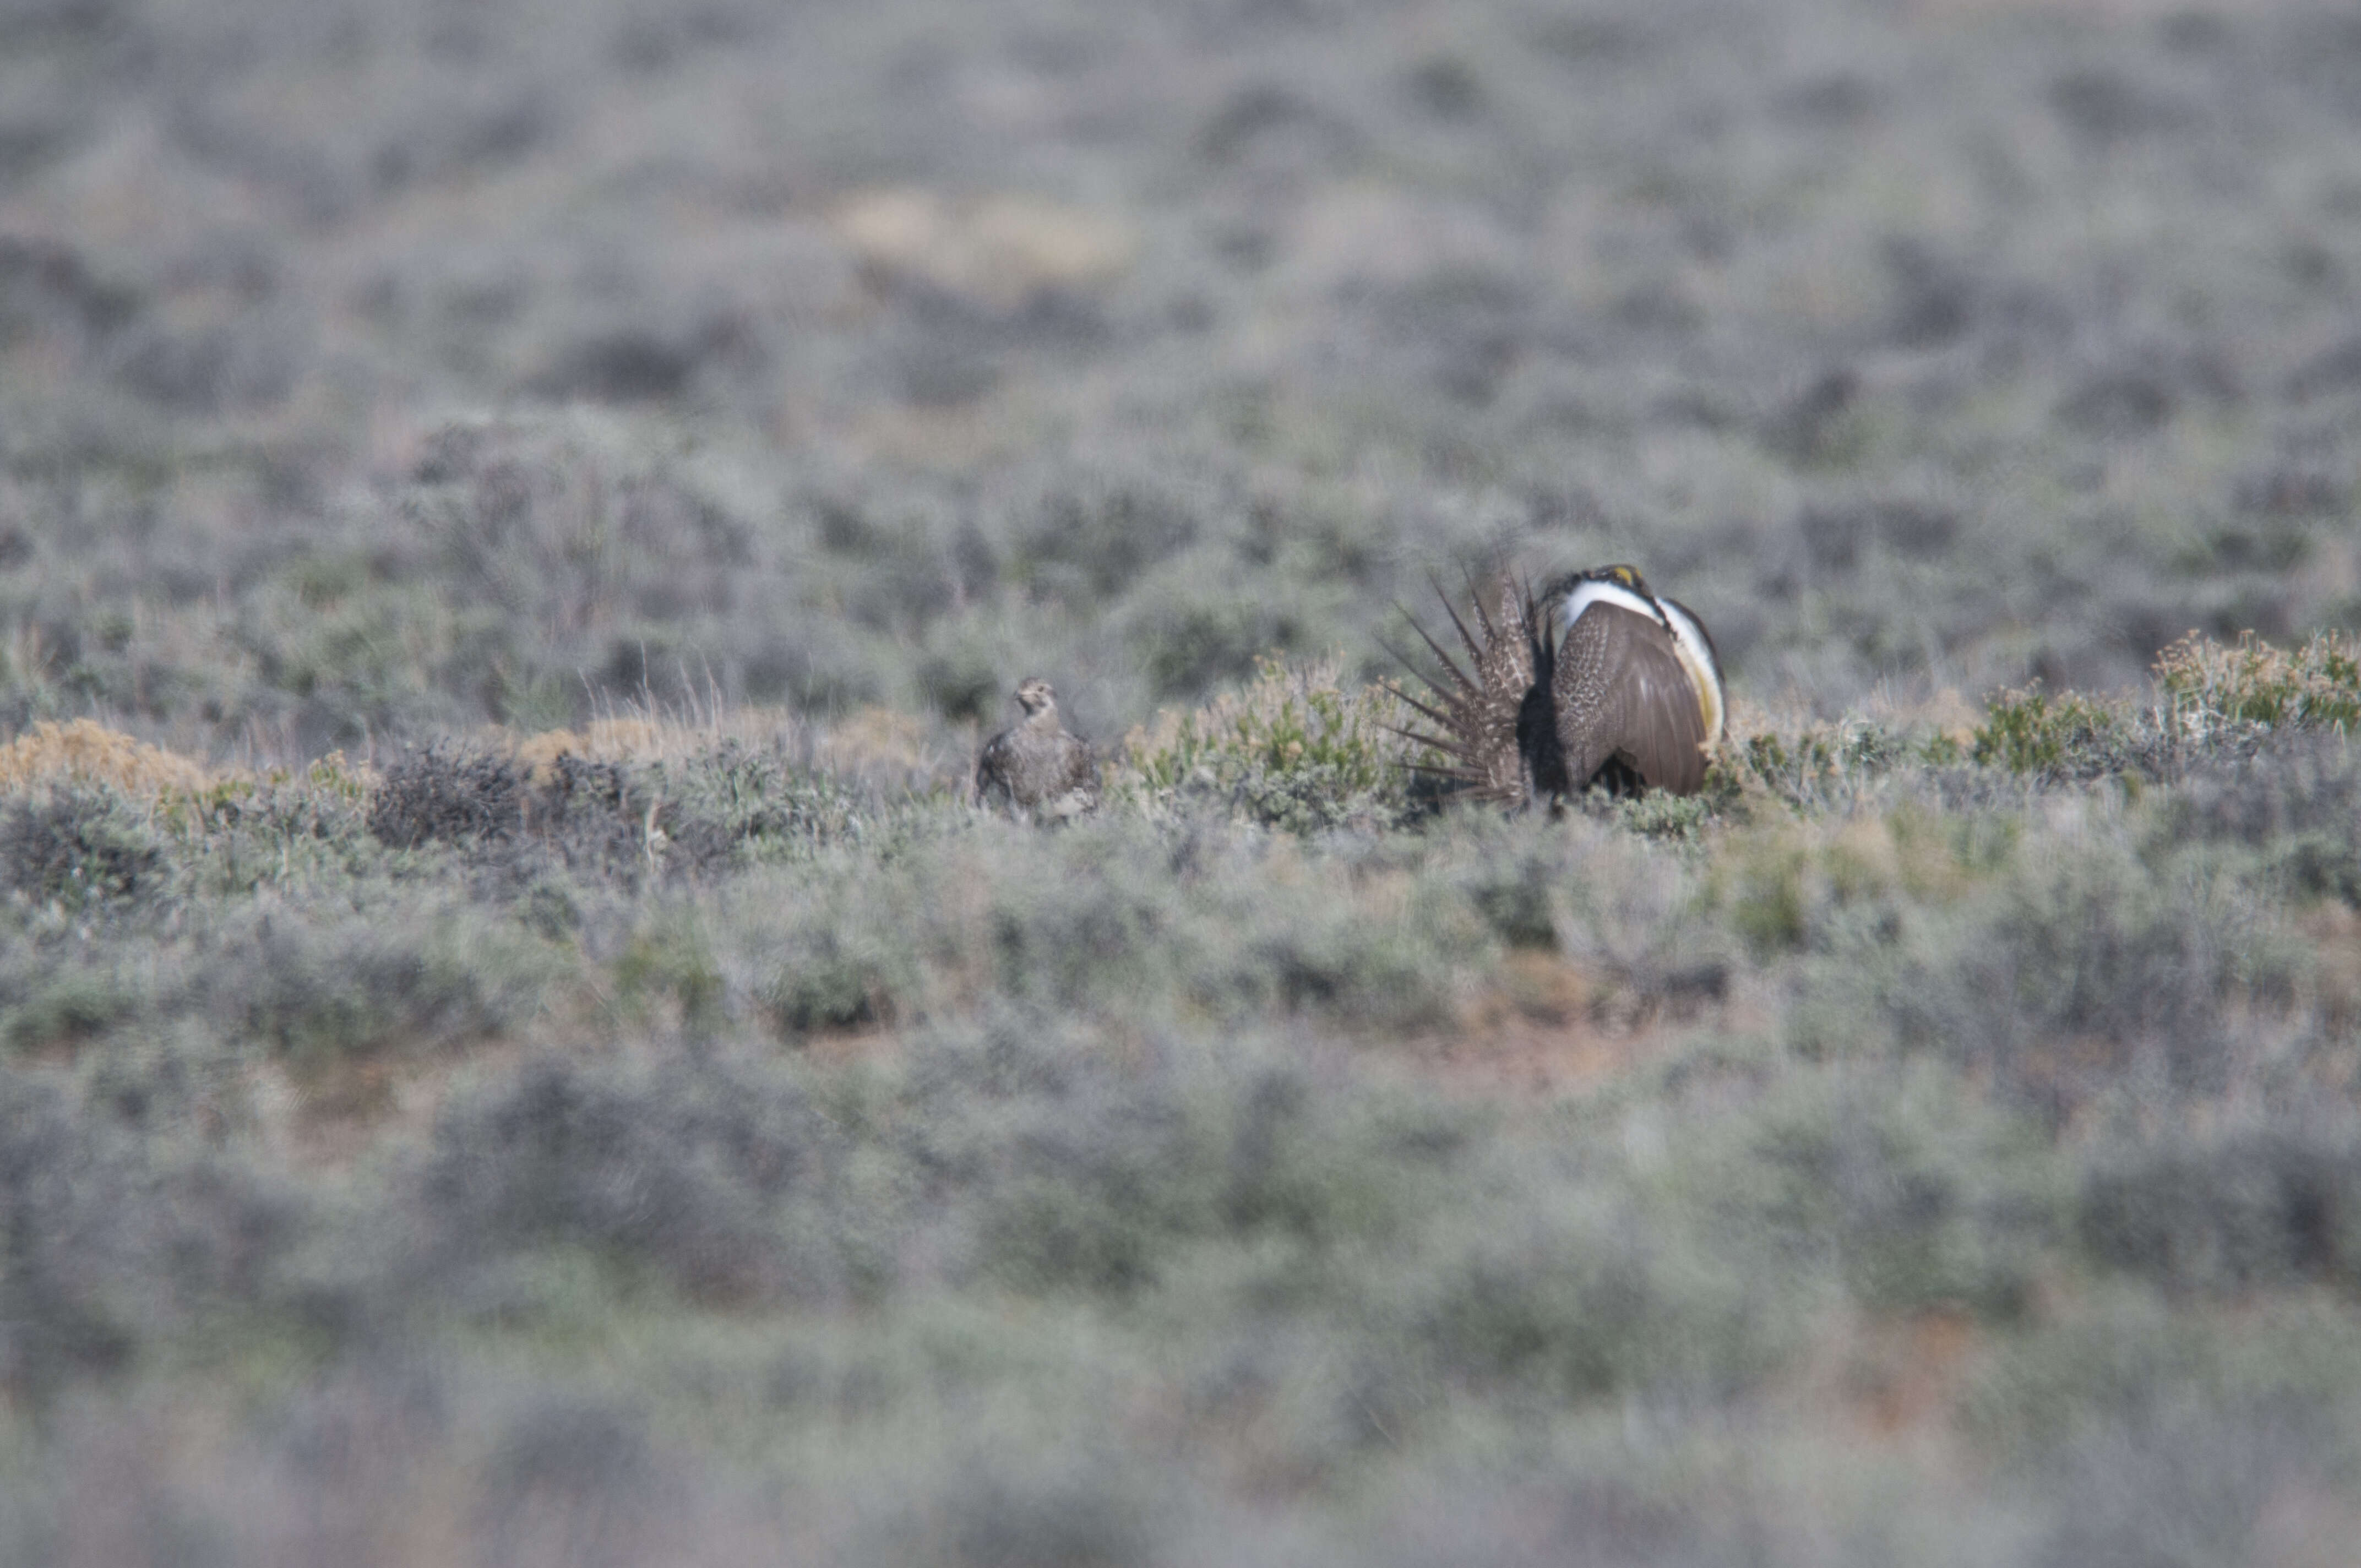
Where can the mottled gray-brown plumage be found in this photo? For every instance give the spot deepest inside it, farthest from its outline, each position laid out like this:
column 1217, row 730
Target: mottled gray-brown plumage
column 1037, row 770
column 1595, row 682
column 1477, row 707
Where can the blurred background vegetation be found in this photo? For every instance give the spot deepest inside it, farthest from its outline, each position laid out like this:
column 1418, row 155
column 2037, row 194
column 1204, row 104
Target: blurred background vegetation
column 513, row 516
column 366, row 369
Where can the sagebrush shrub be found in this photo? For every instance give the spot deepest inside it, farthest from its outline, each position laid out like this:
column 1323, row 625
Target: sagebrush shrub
column 442, row 793
column 717, row 1178
column 2052, row 734
column 113, row 1235
column 1812, row 764
column 2269, row 1205
column 692, row 815
column 2316, row 686
column 79, row 846
column 2296, row 804
column 1072, row 1170
column 1923, row 1196
column 52, row 998
column 576, row 1477
column 401, row 980
column 1585, row 1297
column 1294, row 748
column 2090, row 975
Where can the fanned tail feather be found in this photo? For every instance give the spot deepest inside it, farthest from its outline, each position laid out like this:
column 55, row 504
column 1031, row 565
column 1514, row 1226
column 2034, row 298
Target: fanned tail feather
column 1474, row 649
column 1473, row 707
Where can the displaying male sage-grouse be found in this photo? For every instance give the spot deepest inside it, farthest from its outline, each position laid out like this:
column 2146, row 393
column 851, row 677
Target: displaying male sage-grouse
column 1594, row 681
column 1037, row 769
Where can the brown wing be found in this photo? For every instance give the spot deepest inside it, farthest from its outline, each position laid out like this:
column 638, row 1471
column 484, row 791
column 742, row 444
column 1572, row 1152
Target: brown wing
column 991, row 770
column 1080, row 768
column 1619, row 691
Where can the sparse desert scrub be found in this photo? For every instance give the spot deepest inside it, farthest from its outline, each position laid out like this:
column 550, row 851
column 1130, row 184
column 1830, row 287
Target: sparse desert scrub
column 873, row 1072
column 514, row 520
column 2295, row 802
column 253, row 494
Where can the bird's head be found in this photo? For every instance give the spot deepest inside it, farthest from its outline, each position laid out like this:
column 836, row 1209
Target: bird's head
column 1618, row 577
column 1035, row 696
column 1565, row 600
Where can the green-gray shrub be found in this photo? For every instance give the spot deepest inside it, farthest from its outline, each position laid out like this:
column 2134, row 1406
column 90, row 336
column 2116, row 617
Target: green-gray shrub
column 2265, row 1207
column 79, row 847
column 400, row 980
column 717, row 1178
column 2081, row 974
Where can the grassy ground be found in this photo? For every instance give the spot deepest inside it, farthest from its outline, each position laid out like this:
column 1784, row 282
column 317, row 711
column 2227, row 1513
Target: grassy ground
column 1931, row 1146
column 513, row 518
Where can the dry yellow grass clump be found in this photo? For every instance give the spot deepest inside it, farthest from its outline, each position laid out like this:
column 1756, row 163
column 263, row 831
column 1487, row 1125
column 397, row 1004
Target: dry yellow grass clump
column 647, row 737
column 1000, row 249
column 880, row 746
column 607, row 741
column 85, row 751
column 876, row 744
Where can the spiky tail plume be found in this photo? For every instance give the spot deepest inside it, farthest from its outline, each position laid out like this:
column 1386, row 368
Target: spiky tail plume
column 1473, row 707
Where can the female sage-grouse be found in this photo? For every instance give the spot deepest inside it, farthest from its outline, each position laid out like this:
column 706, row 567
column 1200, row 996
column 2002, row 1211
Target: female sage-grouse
column 1037, row 769
column 1594, row 681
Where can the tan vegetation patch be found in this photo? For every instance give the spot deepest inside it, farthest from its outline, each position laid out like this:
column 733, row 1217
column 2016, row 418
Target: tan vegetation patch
column 649, row 736
column 2333, row 929
column 85, row 751
column 860, row 1043
column 877, row 743
column 604, row 740
column 1001, row 250
column 1548, row 1022
column 1904, row 1374
column 330, row 1116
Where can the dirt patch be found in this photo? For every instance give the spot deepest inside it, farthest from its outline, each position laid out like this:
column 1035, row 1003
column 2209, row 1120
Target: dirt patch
column 1902, row 1375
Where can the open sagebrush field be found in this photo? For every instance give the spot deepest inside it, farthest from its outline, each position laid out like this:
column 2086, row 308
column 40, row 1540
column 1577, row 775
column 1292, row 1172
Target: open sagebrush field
column 514, row 516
